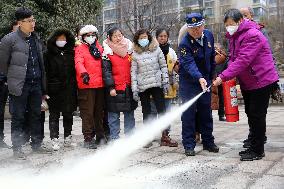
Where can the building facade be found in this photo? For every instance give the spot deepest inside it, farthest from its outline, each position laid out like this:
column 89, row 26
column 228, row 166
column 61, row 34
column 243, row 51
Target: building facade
column 130, row 15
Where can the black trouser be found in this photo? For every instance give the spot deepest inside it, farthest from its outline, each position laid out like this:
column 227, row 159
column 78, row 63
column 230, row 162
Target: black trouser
column 29, row 101
column 256, row 104
column 158, row 98
column 3, row 100
column 54, row 124
column 105, row 123
column 27, row 129
column 197, row 123
column 221, row 110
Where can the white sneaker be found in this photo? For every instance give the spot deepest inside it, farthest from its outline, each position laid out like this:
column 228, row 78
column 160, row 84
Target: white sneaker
column 68, row 142
column 55, row 144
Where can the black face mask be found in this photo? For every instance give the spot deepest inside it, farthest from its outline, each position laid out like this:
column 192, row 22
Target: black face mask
column 95, row 51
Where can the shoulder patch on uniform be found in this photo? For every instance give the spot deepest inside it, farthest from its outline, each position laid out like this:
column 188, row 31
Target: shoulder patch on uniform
column 183, row 51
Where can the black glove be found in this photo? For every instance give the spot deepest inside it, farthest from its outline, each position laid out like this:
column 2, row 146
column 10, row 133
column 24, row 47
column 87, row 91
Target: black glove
column 95, row 51
column 86, row 78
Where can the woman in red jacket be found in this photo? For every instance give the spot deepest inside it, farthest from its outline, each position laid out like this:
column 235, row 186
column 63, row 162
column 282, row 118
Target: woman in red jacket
column 117, row 80
column 88, row 64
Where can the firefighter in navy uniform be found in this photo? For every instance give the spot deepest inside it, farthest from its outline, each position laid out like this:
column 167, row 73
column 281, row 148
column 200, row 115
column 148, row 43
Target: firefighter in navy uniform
column 197, row 64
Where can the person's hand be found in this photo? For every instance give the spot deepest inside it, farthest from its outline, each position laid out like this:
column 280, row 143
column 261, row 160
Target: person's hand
column 166, row 89
column 176, row 85
column 203, row 84
column 86, row 78
column 176, row 67
column 45, row 97
column 44, row 106
column 112, row 92
column 135, row 96
column 217, row 82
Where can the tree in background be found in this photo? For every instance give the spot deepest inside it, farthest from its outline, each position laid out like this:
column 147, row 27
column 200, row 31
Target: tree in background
column 51, row 14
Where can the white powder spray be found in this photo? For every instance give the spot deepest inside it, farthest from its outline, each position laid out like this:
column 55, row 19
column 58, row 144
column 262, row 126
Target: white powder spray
column 96, row 171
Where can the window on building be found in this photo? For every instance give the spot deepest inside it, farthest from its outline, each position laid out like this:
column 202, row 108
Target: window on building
column 257, row 11
column 111, row 14
column 187, row 3
column 110, row 2
column 273, row 11
column 209, row 4
column 209, row 12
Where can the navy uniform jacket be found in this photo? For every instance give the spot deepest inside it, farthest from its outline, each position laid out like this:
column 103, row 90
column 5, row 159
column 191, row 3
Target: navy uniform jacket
column 196, row 61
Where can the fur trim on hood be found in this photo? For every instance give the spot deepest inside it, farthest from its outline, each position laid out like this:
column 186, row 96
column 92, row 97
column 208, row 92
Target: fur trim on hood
column 108, row 50
column 88, row 29
column 151, row 47
column 182, row 32
column 51, row 42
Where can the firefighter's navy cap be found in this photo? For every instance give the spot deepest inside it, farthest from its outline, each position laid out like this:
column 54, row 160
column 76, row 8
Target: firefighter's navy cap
column 194, row 20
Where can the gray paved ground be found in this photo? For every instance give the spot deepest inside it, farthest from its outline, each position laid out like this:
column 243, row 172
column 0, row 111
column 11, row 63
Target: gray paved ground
column 162, row 167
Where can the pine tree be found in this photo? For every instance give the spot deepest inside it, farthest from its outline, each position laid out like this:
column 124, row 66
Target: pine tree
column 51, row 14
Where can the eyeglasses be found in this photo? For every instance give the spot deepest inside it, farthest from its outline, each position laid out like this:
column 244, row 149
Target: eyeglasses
column 91, row 35
column 29, row 20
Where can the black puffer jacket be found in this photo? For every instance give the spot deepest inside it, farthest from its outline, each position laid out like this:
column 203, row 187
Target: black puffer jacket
column 61, row 75
column 123, row 102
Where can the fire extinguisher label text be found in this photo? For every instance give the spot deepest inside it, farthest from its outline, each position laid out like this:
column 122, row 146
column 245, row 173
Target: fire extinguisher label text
column 233, row 92
column 234, row 102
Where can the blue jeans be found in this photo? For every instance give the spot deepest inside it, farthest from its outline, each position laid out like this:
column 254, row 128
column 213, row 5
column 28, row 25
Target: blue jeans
column 29, row 101
column 114, row 123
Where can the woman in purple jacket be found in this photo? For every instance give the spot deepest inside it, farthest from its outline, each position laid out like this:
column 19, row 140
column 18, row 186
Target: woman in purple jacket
column 252, row 63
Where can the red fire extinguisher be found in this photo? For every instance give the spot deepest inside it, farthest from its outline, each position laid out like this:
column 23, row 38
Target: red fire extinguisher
column 231, row 100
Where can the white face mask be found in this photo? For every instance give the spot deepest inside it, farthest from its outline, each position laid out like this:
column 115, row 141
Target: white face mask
column 143, row 42
column 232, row 29
column 60, row 43
column 90, row 39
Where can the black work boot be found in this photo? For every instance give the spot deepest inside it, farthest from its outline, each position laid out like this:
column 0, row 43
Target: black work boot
column 247, row 143
column 241, row 153
column 212, row 148
column 251, row 155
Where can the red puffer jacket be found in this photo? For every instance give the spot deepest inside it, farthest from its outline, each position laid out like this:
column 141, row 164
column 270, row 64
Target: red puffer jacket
column 121, row 71
column 85, row 62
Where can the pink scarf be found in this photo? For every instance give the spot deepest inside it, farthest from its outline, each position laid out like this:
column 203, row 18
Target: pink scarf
column 120, row 48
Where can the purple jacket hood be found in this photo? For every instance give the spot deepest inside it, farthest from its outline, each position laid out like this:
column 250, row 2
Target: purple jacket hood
column 250, row 58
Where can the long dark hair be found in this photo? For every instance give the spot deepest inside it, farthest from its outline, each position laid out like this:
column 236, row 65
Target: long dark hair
column 139, row 32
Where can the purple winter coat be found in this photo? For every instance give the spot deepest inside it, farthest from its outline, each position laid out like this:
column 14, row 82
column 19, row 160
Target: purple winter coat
column 251, row 59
